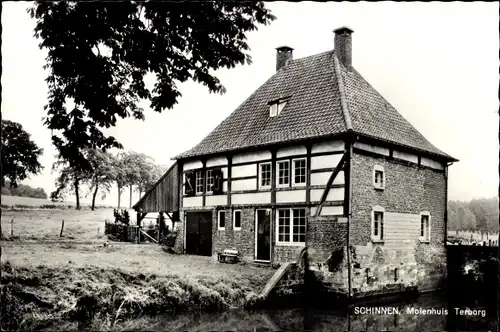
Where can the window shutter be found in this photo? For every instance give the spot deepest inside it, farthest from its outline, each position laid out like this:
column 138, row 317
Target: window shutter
column 217, row 187
column 189, row 184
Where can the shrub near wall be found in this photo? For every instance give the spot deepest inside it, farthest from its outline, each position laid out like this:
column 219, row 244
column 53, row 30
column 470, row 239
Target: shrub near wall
column 116, row 231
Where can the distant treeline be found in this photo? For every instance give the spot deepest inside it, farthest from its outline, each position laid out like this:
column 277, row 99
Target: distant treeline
column 23, row 190
column 480, row 215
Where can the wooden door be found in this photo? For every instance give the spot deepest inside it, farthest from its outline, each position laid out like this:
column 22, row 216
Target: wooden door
column 263, row 235
column 199, row 233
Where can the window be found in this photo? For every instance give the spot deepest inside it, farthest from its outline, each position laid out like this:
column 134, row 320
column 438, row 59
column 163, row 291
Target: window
column 291, row 226
column 237, row 220
column 210, row 181
column 273, row 110
column 276, row 107
column 299, row 171
column 425, row 227
column 221, row 220
column 199, row 182
column 283, row 173
column 378, row 177
column 378, row 224
column 265, row 175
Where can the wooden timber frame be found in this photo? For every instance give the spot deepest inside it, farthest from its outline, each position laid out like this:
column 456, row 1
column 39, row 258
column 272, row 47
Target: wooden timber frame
column 162, row 197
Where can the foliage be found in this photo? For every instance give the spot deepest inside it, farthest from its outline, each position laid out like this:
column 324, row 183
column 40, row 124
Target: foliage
column 98, row 298
column 168, row 239
column 69, row 180
column 121, row 216
column 476, row 215
column 23, row 190
column 102, row 173
column 116, row 231
column 19, row 154
column 99, row 54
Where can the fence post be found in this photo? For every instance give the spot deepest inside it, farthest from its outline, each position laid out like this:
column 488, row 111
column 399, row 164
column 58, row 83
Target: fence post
column 97, row 230
column 12, row 227
column 62, row 228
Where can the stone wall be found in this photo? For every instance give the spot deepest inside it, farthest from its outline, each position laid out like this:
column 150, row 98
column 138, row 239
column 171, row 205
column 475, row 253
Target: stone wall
column 396, row 265
column 243, row 240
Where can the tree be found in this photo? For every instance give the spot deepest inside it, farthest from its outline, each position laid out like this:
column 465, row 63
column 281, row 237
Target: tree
column 19, row 154
column 137, row 167
column 100, row 52
column 149, row 175
column 70, row 179
column 120, row 174
column 102, row 174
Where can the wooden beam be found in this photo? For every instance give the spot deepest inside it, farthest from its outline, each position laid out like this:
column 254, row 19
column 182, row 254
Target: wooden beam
column 273, row 177
column 329, row 183
column 147, row 235
column 229, row 174
column 204, row 177
column 308, row 173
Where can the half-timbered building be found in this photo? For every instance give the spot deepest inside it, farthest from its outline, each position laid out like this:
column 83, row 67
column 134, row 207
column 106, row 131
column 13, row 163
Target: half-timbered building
column 314, row 157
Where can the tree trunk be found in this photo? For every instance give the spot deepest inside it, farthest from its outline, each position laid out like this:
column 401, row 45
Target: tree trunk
column 77, row 194
column 94, row 195
column 140, row 193
column 130, row 197
column 119, row 195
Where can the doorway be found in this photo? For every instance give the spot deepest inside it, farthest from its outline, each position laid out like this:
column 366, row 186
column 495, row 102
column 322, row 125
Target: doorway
column 263, row 235
column 199, row 233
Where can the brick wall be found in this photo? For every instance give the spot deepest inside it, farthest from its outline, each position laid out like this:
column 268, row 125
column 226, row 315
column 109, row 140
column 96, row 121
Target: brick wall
column 243, row 240
column 409, row 189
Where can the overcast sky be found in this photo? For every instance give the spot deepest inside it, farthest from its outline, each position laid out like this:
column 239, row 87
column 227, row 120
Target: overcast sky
column 436, row 63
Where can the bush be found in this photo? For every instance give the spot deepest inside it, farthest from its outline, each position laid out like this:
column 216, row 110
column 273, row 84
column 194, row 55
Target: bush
column 121, row 216
column 116, row 231
column 168, row 240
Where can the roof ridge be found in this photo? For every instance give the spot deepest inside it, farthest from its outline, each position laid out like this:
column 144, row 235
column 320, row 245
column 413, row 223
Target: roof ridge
column 343, row 103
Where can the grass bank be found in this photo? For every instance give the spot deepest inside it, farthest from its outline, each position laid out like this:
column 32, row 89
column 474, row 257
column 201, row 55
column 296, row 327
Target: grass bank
column 67, row 297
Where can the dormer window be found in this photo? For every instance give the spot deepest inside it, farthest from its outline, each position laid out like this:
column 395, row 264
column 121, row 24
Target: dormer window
column 276, row 106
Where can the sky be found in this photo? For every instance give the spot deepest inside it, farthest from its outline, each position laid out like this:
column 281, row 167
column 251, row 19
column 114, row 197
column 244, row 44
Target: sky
column 436, row 63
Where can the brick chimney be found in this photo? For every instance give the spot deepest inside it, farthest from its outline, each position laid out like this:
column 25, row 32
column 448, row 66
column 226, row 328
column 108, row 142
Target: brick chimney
column 343, row 45
column 284, row 54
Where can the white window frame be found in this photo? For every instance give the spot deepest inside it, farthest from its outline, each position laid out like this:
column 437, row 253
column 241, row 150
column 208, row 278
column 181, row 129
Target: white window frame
column 427, row 237
column 300, row 184
column 273, row 110
column 208, row 185
column 380, row 237
column 379, row 168
column 290, row 242
column 278, row 185
column 234, row 220
column 202, row 185
column 261, row 186
column 219, row 219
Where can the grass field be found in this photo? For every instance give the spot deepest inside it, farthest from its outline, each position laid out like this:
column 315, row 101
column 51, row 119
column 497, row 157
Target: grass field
column 28, row 202
column 46, row 279
column 45, row 224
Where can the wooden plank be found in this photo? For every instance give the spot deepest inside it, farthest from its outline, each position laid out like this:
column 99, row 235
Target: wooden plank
column 329, row 183
column 147, row 235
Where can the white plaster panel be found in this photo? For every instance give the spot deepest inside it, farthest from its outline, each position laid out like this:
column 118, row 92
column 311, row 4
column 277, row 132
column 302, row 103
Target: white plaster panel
column 431, row 163
column 332, row 210
column 192, row 165
column 291, row 151
column 216, row 200
column 372, row 148
column 245, row 170
column 405, row 156
column 253, row 156
column 290, row 196
column 328, row 146
column 327, row 161
column 192, row 201
column 251, row 198
column 217, row 161
column 249, row 184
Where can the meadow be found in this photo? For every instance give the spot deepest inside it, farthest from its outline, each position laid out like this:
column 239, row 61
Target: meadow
column 54, row 282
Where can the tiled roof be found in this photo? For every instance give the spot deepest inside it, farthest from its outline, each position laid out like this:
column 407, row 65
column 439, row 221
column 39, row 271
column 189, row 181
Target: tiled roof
column 325, row 99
